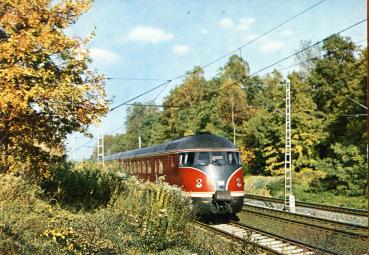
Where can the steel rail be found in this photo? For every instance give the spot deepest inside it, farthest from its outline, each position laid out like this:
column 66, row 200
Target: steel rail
column 262, row 239
column 337, row 209
column 230, row 236
column 309, row 221
column 288, row 240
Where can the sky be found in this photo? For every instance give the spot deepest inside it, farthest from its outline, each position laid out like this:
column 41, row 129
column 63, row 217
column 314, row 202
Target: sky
column 163, row 39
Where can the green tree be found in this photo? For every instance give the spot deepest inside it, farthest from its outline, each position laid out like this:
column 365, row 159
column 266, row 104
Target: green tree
column 192, row 96
column 305, row 57
column 139, row 123
column 338, row 80
column 232, row 107
column 346, row 171
column 309, row 126
column 264, row 132
column 47, row 89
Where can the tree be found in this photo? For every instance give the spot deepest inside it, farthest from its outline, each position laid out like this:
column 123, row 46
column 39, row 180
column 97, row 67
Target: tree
column 47, row 89
column 346, row 171
column 139, row 123
column 232, row 107
column 309, row 126
column 306, row 57
column 263, row 137
column 193, row 96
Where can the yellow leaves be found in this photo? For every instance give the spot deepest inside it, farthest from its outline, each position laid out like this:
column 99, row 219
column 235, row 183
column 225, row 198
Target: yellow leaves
column 299, row 149
column 46, row 89
column 247, row 155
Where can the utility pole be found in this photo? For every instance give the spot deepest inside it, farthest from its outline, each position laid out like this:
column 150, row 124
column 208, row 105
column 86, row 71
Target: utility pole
column 233, row 124
column 289, row 199
column 139, row 142
column 100, row 141
column 100, row 145
column 73, row 146
column 367, row 96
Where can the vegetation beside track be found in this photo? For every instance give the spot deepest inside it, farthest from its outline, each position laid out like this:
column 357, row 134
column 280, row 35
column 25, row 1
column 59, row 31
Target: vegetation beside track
column 273, row 186
column 315, row 236
column 88, row 210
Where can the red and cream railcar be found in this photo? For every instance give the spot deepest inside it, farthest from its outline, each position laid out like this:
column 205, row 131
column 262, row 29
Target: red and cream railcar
column 206, row 166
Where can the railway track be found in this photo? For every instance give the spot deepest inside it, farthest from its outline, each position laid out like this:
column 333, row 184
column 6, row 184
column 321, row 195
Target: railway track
column 261, row 240
column 336, row 209
column 342, row 228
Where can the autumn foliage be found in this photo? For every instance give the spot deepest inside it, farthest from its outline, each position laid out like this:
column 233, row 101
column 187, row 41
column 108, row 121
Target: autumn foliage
column 47, row 90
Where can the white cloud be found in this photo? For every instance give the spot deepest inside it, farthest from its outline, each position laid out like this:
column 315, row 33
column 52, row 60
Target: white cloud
column 148, row 35
column 287, row 33
column 245, row 23
column 270, row 46
column 226, row 23
column 100, row 55
column 181, row 49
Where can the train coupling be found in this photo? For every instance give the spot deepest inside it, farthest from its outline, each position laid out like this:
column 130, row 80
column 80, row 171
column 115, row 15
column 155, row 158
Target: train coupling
column 221, row 202
column 222, row 196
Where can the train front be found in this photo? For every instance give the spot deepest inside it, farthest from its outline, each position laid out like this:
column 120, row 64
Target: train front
column 213, row 176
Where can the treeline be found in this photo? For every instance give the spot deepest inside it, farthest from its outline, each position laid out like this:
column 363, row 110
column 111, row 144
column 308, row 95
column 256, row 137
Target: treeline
column 328, row 97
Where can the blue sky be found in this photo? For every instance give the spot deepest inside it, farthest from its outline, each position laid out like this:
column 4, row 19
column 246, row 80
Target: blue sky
column 164, row 39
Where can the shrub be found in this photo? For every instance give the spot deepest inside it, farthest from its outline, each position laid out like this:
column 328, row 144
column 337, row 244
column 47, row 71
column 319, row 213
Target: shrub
column 85, row 186
column 152, row 216
column 141, row 217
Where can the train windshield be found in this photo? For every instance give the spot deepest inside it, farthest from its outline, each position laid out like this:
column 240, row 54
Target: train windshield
column 217, row 158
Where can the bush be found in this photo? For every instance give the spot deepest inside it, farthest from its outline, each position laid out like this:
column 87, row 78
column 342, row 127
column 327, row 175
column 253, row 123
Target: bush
column 263, row 185
column 83, row 186
column 152, row 216
column 347, row 171
column 142, row 217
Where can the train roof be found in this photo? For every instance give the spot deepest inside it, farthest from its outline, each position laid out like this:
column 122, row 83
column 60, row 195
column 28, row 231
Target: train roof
column 199, row 141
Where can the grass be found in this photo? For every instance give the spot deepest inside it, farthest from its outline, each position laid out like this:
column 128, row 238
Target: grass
column 87, row 209
column 142, row 218
column 274, row 186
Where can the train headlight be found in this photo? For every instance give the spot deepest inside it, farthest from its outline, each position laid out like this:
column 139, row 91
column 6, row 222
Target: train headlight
column 239, row 183
column 198, row 183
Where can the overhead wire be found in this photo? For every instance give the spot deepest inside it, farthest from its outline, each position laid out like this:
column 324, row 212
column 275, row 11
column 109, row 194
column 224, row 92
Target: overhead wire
column 135, row 79
column 312, row 59
column 288, row 57
column 248, row 76
column 304, row 49
column 225, row 55
column 239, row 49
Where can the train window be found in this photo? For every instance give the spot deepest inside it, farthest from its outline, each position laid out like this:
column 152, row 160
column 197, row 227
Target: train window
column 186, row 159
column 202, row 158
column 171, row 161
column 190, row 158
column 155, row 166
column 239, row 161
column 218, row 158
column 160, row 166
column 143, row 166
column 232, row 158
column 181, row 159
column 149, row 167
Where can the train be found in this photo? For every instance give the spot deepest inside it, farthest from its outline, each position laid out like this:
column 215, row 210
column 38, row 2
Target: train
column 207, row 167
